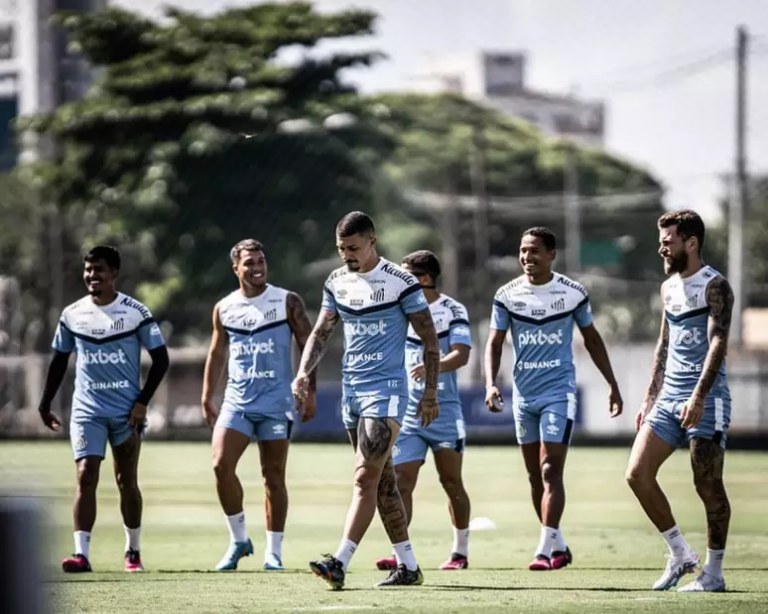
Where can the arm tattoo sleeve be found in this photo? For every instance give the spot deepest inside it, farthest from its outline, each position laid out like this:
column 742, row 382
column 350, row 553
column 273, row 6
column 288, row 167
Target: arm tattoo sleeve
column 302, row 329
column 317, row 342
column 659, row 363
column 425, row 328
column 720, row 301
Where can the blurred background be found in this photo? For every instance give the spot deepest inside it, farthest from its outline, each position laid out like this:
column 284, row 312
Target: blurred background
column 173, row 133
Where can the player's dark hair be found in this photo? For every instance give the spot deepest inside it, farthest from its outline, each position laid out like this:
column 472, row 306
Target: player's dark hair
column 423, row 262
column 688, row 224
column 355, row 223
column 545, row 234
column 246, row 245
column 110, row 255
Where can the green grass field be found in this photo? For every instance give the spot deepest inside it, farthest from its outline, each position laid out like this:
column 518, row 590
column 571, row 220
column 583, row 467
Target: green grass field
column 618, row 555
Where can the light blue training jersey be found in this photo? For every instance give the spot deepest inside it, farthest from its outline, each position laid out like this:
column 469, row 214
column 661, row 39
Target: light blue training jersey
column 374, row 309
column 540, row 319
column 259, row 371
column 108, row 341
column 687, row 314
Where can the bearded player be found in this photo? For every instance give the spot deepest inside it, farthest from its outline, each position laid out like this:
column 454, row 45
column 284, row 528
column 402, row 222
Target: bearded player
column 687, row 401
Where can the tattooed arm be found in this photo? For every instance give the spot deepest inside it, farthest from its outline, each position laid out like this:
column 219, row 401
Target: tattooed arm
column 315, row 347
column 657, row 372
column 301, row 327
column 424, row 327
column 720, row 302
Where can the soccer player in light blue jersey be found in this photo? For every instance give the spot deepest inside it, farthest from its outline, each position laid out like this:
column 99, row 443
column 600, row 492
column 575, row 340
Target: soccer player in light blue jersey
column 539, row 309
column 107, row 330
column 687, row 401
column 446, row 436
column 375, row 300
column 255, row 325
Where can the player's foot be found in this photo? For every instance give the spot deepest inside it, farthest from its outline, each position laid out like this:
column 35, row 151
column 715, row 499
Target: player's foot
column 540, row 562
column 562, row 559
column 387, row 564
column 133, row 561
column 676, row 568
column 235, row 552
column 272, row 562
column 705, row 583
column 402, row 576
column 329, row 569
column 77, row 563
column 457, row 561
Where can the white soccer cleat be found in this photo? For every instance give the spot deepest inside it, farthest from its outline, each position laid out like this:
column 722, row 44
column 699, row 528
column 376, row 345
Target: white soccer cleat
column 705, row 583
column 676, row 568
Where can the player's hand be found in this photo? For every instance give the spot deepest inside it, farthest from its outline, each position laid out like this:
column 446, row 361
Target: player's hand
column 308, row 407
column 428, row 407
column 138, row 415
column 693, row 410
column 615, row 402
column 210, row 412
column 644, row 410
column 418, row 373
column 300, row 386
column 49, row 418
column 493, row 400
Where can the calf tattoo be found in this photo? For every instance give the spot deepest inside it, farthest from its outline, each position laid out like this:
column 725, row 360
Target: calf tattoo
column 707, row 461
column 390, row 505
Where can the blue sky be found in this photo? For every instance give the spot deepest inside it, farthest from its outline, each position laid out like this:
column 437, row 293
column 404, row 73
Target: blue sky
column 679, row 126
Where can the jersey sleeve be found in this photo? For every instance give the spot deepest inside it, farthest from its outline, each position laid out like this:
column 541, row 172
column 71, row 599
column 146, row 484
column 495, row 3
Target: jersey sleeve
column 329, row 301
column 150, row 335
column 583, row 313
column 412, row 299
column 458, row 330
column 63, row 339
column 499, row 315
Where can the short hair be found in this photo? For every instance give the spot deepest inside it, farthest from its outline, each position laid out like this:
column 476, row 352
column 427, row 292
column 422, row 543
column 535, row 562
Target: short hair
column 688, row 224
column 355, row 223
column 110, row 255
column 246, row 245
column 423, row 262
column 545, row 234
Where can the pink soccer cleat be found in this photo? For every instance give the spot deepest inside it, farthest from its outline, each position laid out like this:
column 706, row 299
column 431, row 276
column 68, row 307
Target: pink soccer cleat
column 387, row 564
column 77, row 563
column 133, row 561
column 457, row 561
column 540, row 563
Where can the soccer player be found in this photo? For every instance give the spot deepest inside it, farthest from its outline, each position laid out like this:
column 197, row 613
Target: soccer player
column 540, row 308
column 446, row 435
column 687, row 400
column 375, row 299
column 107, row 330
column 255, row 324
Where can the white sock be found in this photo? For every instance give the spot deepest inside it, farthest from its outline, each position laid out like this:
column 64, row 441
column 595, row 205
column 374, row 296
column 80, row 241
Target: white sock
column 714, row 563
column 83, row 543
column 132, row 539
column 460, row 541
column 405, row 556
column 547, row 541
column 275, row 543
column 676, row 543
column 237, row 530
column 560, row 544
column 345, row 552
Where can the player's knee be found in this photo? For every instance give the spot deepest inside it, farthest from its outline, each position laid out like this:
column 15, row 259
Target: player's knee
column 127, row 481
column 274, row 479
column 405, row 482
column 451, row 484
column 551, row 472
column 223, row 468
column 87, row 475
column 634, row 477
column 366, row 479
column 709, row 488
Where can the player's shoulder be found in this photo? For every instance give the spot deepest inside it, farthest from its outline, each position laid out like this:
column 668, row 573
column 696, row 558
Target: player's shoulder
column 132, row 308
column 455, row 309
column 396, row 275
column 80, row 306
column 337, row 275
column 512, row 289
column 230, row 300
column 570, row 285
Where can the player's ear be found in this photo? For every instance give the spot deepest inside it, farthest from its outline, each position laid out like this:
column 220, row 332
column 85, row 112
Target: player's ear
column 373, row 240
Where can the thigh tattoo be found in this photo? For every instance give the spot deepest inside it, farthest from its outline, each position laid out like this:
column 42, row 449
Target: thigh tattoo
column 374, row 438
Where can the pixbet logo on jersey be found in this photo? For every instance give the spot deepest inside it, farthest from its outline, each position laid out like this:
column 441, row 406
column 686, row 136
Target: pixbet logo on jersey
column 688, row 337
column 370, row 329
column 251, row 348
column 540, row 338
column 100, row 357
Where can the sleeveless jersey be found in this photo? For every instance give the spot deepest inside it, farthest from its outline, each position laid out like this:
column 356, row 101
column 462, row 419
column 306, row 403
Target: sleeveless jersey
column 687, row 313
column 108, row 341
column 374, row 309
column 541, row 320
column 259, row 371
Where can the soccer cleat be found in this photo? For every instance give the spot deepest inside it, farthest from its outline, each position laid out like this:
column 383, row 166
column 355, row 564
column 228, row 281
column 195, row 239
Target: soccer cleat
column 705, row 583
column 133, row 561
column 562, row 559
column 402, row 576
column 77, row 563
column 272, row 562
column 676, row 568
column 387, row 564
column 457, row 561
column 331, row 570
column 235, row 552
column 540, row 562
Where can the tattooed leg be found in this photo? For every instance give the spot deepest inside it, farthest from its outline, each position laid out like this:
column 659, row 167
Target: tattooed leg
column 390, row 503
column 707, row 461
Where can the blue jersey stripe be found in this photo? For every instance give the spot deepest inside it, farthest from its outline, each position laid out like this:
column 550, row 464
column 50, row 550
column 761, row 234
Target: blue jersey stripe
column 552, row 318
column 103, row 340
column 409, row 290
column 367, row 310
column 686, row 316
column 261, row 329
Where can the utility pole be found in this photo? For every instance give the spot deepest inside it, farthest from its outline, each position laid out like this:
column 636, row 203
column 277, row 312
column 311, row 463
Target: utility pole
column 448, row 223
column 482, row 209
column 572, row 211
column 739, row 196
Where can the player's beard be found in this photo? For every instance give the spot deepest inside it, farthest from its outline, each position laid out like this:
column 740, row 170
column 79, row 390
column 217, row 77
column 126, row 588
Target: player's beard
column 352, row 265
column 678, row 263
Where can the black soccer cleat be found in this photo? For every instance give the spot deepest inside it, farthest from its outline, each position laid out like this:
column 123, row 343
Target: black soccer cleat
column 402, row 576
column 331, row 570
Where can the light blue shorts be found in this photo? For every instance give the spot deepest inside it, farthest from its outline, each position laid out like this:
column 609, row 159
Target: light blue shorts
column 548, row 419
column 413, row 442
column 89, row 435
column 665, row 421
column 374, row 405
column 257, row 427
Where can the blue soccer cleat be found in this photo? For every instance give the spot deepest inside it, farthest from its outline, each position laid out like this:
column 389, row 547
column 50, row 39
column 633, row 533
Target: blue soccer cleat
column 272, row 562
column 235, row 552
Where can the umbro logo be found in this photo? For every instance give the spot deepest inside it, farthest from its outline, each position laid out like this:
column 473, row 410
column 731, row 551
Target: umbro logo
column 378, row 296
column 558, row 305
